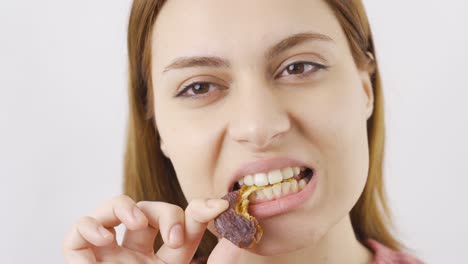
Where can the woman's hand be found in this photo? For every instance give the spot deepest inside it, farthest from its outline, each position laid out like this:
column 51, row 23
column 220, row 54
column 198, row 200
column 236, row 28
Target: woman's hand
column 92, row 239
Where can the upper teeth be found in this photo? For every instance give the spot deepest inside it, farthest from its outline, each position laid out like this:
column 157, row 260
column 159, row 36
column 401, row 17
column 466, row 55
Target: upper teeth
column 271, row 177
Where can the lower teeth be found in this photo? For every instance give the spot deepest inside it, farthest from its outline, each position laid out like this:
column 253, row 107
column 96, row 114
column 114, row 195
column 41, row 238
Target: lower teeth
column 278, row 190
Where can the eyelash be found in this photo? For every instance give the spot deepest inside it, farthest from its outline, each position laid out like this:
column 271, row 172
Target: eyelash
column 302, row 75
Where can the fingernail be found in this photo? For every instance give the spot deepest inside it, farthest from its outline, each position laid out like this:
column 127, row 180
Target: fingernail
column 104, row 232
column 176, row 235
column 214, row 203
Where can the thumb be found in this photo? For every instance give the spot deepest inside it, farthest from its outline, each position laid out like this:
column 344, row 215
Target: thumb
column 225, row 252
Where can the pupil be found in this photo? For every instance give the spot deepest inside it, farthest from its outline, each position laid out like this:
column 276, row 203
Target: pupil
column 201, row 88
column 296, row 68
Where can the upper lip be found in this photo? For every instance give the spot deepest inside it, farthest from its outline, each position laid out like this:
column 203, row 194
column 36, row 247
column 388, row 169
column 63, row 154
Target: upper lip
column 264, row 165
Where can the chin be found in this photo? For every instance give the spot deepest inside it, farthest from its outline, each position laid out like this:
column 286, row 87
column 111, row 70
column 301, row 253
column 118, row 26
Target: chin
column 293, row 235
column 270, row 248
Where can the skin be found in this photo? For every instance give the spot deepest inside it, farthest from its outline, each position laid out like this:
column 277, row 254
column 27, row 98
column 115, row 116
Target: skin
column 255, row 109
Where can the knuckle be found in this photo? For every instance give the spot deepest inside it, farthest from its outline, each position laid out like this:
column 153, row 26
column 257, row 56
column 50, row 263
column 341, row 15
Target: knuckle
column 176, row 209
column 173, row 212
column 167, row 208
column 195, row 204
column 123, row 198
column 85, row 223
column 85, row 220
column 141, row 204
column 158, row 260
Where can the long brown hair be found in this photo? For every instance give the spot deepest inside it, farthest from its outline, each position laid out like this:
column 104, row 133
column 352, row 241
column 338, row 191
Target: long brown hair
column 149, row 175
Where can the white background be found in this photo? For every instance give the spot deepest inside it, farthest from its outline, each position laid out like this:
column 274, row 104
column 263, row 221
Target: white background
column 63, row 111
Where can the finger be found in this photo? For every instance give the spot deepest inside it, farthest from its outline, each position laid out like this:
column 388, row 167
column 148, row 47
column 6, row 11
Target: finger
column 161, row 216
column 121, row 209
column 84, row 256
column 86, row 233
column 197, row 215
column 225, row 252
column 118, row 210
column 140, row 240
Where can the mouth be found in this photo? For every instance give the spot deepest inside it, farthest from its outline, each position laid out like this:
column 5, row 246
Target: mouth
column 276, row 184
column 262, row 195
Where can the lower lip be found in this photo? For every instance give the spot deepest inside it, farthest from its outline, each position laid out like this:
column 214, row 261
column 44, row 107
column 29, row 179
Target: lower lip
column 283, row 204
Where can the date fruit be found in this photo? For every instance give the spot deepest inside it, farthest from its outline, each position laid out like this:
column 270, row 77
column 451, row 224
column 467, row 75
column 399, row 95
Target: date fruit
column 235, row 224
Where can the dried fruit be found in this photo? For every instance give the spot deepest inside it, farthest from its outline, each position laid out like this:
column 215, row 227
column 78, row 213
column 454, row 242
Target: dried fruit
column 235, row 224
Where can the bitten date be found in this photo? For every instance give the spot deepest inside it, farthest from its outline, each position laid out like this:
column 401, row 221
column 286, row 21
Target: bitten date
column 242, row 231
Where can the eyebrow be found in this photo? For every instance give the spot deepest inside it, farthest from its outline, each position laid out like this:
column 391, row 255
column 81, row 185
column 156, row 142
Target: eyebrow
column 275, row 50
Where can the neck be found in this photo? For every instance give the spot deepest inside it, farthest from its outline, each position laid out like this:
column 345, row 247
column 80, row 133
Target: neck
column 339, row 245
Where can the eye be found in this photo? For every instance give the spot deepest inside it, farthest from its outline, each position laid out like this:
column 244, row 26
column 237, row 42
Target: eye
column 302, row 69
column 199, row 89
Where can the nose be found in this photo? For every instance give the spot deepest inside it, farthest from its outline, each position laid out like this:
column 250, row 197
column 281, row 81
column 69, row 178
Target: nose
column 259, row 119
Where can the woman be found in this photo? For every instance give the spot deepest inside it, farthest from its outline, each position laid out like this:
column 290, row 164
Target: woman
column 232, row 93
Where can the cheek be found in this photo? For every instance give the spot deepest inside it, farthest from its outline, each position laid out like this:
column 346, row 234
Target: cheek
column 190, row 143
column 335, row 125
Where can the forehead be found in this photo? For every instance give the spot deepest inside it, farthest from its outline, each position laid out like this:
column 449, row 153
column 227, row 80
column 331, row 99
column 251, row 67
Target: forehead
column 235, row 29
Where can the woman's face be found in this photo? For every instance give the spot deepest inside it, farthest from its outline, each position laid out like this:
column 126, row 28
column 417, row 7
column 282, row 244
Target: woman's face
column 275, row 83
